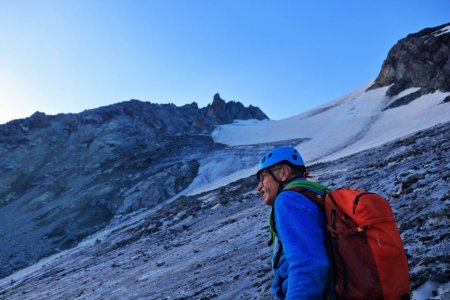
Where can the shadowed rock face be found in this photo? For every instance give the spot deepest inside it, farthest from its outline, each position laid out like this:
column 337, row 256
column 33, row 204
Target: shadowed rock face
column 65, row 176
column 420, row 60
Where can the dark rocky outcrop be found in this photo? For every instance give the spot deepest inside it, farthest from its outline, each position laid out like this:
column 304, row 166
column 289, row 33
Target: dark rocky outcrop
column 66, row 176
column 421, row 60
column 225, row 112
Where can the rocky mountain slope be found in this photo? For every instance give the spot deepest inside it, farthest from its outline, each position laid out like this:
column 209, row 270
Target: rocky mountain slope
column 420, row 60
column 66, row 176
column 214, row 245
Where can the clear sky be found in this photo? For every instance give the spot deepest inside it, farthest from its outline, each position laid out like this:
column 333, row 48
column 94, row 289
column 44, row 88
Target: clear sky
column 283, row 56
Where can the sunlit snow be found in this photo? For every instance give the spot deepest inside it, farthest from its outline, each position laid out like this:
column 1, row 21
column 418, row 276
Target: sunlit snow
column 362, row 124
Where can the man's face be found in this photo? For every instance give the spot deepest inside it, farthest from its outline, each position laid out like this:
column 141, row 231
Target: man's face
column 268, row 186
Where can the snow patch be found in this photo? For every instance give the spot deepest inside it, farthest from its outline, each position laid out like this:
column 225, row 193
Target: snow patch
column 430, row 289
column 442, row 31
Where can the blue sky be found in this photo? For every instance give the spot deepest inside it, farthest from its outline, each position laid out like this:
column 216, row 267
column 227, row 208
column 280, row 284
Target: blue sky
column 284, row 56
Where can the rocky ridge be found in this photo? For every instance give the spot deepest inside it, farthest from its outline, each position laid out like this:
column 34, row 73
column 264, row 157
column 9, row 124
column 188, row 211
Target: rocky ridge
column 420, row 60
column 214, row 245
column 66, row 176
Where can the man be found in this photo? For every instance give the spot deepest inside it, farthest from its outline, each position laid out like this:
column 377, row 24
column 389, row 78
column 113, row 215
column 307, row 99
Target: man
column 300, row 263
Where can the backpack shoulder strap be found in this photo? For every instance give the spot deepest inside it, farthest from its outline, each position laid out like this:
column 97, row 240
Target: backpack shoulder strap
column 311, row 190
column 314, row 197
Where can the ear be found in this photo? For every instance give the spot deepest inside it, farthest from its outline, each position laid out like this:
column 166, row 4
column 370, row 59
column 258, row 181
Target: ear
column 286, row 173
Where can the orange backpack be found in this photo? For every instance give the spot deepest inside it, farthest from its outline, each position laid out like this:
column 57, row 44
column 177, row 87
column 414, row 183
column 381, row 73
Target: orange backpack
column 366, row 253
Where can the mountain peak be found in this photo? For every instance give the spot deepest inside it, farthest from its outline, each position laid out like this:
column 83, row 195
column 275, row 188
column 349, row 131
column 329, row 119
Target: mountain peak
column 420, row 60
column 222, row 112
column 217, row 99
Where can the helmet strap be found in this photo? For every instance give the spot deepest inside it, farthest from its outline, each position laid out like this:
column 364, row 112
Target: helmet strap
column 280, row 183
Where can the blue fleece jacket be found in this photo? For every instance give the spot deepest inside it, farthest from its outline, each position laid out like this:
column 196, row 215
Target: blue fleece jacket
column 300, row 261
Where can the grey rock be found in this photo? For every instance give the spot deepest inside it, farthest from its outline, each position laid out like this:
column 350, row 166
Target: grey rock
column 419, row 60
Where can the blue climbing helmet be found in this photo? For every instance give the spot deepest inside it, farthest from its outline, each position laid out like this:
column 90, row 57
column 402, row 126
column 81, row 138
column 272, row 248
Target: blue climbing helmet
column 289, row 155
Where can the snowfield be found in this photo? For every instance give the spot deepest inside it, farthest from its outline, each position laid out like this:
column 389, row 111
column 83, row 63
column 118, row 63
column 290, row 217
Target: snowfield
column 361, row 124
